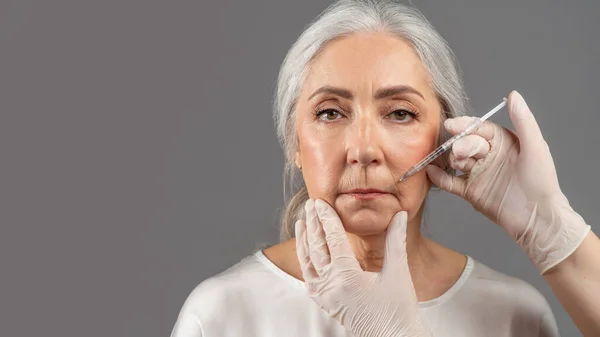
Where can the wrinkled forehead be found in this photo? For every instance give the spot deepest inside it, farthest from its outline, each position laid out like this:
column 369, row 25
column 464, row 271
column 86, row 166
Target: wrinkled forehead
column 365, row 62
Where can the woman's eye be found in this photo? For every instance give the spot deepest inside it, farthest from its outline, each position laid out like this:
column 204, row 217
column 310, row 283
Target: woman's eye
column 328, row 114
column 402, row 115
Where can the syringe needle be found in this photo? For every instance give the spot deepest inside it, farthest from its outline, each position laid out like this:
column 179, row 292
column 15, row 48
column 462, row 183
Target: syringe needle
column 448, row 144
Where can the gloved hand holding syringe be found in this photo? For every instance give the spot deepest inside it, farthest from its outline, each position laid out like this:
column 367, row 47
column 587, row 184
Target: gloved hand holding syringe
column 511, row 179
column 448, row 144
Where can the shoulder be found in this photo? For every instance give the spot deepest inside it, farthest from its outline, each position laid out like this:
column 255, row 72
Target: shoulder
column 221, row 294
column 501, row 285
column 230, row 285
column 520, row 301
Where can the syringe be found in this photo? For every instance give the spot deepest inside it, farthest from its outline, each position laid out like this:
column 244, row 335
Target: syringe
column 448, row 144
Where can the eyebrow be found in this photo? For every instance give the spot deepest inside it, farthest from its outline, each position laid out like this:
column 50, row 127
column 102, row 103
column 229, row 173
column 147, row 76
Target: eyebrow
column 381, row 93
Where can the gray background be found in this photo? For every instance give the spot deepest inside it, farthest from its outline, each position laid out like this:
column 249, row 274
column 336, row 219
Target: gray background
column 139, row 156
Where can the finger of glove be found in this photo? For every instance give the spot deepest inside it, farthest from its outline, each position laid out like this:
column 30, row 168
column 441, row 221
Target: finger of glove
column 308, row 269
column 395, row 262
column 526, row 127
column 337, row 242
column 463, row 165
column 469, row 146
column 446, row 181
column 317, row 245
column 487, row 129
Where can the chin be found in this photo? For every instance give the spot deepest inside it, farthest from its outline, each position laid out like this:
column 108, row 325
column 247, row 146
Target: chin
column 365, row 221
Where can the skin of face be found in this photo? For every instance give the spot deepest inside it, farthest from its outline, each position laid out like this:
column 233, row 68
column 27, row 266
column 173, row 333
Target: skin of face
column 367, row 113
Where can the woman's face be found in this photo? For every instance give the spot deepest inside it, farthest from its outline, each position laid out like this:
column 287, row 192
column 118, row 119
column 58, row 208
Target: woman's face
column 366, row 114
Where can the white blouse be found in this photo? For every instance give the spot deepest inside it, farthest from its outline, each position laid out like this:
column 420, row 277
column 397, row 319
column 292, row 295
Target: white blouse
column 256, row 298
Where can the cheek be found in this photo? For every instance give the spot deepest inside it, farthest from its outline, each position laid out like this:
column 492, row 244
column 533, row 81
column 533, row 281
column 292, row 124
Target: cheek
column 411, row 148
column 322, row 162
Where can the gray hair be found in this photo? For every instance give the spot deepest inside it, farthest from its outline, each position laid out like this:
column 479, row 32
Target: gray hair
column 341, row 19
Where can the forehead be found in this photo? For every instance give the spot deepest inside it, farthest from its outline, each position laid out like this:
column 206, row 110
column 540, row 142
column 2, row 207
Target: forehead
column 372, row 59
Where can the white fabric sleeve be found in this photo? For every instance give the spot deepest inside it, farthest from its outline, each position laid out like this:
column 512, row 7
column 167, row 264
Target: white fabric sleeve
column 187, row 325
column 548, row 326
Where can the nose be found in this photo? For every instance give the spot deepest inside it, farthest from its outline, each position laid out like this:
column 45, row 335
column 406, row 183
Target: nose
column 363, row 140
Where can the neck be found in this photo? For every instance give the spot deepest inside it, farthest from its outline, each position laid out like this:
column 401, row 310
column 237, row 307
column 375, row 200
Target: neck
column 433, row 268
column 370, row 250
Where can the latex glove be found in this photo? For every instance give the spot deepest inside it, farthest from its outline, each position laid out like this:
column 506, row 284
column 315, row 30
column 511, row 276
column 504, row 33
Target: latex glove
column 368, row 304
column 510, row 178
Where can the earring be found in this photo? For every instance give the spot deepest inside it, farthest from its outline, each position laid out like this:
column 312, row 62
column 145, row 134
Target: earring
column 300, row 167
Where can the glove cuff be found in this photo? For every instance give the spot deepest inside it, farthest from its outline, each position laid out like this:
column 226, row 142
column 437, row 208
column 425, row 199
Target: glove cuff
column 553, row 233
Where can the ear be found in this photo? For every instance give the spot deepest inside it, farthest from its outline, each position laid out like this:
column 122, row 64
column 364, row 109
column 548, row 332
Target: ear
column 298, row 160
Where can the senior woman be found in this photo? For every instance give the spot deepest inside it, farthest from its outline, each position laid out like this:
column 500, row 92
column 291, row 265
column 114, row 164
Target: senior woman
column 363, row 95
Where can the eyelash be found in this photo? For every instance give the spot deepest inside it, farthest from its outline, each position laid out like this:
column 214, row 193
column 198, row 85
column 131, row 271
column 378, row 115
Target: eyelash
column 413, row 114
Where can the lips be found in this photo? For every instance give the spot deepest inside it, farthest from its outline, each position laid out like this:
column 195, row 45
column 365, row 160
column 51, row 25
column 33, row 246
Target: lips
column 366, row 193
